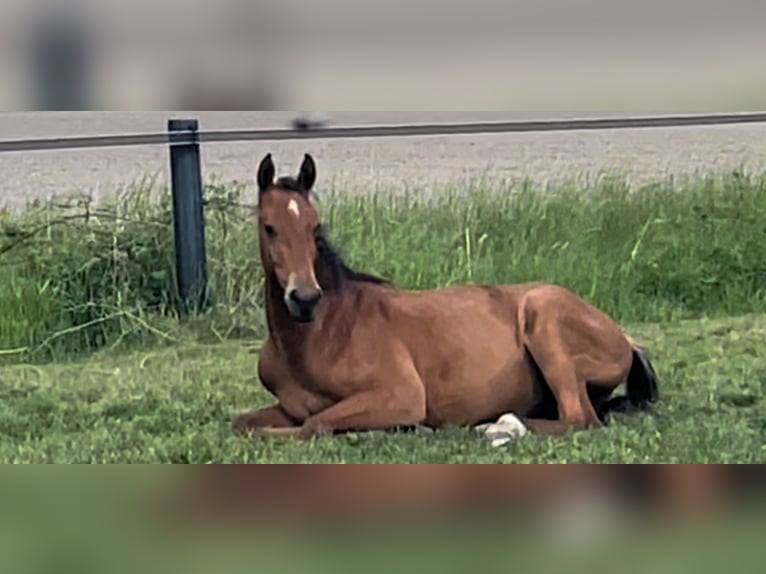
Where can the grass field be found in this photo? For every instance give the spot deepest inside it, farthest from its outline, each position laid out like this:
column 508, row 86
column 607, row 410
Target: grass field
column 96, row 367
column 175, row 405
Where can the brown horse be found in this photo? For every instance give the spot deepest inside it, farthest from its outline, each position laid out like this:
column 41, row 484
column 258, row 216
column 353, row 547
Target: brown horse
column 350, row 352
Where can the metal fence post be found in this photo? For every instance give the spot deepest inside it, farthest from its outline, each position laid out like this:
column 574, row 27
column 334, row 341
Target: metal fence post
column 188, row 214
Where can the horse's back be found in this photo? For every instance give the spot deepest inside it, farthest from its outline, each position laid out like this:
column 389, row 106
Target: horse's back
column 494, row 315
column 502, row 317
column 560, row 315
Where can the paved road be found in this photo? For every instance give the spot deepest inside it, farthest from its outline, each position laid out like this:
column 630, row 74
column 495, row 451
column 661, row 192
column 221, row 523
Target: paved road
column 361, row 164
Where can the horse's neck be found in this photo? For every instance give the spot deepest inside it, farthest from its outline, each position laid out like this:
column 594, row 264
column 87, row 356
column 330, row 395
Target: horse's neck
column 289, row 336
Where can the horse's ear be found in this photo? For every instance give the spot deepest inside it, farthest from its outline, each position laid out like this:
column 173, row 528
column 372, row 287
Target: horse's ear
column 266, row 172
column 308, row 174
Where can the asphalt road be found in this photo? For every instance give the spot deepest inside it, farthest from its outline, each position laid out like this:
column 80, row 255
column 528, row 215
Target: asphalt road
column 362, row 164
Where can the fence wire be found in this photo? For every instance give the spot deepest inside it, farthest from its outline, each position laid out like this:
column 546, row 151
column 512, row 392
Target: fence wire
column 379, row 131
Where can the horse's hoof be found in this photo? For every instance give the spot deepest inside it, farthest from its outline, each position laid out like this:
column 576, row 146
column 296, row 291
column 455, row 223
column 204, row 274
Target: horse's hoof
column 507, row 428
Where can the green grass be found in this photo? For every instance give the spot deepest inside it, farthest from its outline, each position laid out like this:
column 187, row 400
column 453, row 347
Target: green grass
column 87, row 289
column 175, row 405
column 79, row 277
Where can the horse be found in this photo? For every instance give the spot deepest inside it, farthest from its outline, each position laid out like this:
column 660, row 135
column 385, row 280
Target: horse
column 351, row 352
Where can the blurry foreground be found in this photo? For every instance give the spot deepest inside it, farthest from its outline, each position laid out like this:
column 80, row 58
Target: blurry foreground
column 385, row 518
column 285, row 54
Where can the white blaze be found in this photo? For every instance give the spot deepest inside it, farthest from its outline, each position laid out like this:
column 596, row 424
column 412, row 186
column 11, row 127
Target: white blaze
column 293, row 208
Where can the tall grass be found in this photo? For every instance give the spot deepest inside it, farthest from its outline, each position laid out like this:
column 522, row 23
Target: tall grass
column 77, row 277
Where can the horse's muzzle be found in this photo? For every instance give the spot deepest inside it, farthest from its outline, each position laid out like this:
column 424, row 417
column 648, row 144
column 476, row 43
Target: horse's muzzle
column 302, row 306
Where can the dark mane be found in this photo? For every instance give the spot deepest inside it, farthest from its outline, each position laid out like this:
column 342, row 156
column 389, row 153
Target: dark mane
column 332, row 261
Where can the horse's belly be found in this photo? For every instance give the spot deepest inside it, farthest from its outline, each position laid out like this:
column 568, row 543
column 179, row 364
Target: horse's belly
column 481, row 394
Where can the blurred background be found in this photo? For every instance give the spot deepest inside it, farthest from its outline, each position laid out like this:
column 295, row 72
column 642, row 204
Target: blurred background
column 445, row 519
column 430, row 55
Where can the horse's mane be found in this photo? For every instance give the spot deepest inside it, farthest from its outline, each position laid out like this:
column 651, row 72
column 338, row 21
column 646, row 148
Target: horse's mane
column 327, row 254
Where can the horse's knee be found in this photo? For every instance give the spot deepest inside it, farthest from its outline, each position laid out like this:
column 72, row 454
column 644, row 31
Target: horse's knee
column 412, row 406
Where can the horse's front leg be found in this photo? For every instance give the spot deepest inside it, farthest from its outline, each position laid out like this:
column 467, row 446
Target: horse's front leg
column 378, row 409
column 269, row 417
column 295, row 406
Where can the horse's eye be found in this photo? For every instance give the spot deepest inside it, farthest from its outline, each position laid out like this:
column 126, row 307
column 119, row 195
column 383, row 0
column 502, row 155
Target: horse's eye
column 270, row 231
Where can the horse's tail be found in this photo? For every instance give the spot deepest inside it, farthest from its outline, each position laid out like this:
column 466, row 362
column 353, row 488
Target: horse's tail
column 641, row 387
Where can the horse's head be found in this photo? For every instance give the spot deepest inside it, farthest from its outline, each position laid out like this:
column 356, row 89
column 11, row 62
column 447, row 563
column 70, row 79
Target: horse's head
column 288, row 225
